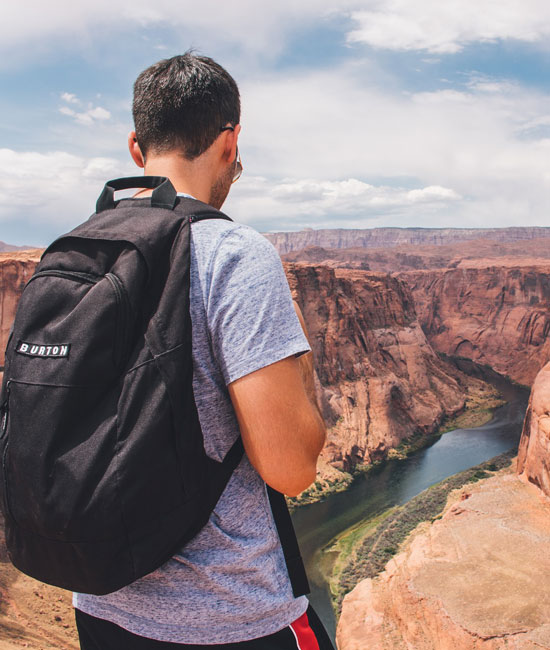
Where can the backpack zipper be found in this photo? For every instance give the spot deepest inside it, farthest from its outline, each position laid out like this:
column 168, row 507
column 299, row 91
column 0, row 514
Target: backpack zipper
column 122, row 338
column 5, row 411
column 68, row 275
column 3, row 435
column 121, row 297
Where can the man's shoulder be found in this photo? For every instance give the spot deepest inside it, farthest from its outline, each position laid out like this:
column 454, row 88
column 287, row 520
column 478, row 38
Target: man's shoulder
column 219, row 237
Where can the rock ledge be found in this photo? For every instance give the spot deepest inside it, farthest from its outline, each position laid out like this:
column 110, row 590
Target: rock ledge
column 477, row 578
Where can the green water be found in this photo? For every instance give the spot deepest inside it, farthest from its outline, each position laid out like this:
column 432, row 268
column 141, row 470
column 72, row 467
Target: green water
column 395, row 482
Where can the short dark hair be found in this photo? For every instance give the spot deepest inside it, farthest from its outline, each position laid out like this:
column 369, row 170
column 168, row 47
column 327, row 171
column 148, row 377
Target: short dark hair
column 183, row 102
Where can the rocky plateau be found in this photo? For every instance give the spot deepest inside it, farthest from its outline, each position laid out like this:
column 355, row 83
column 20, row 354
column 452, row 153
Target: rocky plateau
column 484, row 299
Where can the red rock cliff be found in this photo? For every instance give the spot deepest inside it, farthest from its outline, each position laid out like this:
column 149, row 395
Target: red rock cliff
column 534, row 446
column 497, row 315
column 379, row 379
column 15, row 271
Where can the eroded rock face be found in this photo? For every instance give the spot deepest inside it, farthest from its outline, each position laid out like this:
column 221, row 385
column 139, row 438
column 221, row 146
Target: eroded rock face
column 496, row 315
column 534, row 446
column 378, row 378
column 476, row 579
column 15, row 271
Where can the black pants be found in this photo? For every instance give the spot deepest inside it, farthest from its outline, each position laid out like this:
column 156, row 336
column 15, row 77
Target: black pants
column 307, row 633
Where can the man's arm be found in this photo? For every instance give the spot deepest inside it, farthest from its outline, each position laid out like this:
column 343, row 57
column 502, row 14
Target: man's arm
column 281, row 426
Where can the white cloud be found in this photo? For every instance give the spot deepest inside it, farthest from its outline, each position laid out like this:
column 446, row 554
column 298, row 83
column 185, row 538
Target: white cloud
column 435, row 26
column 70, row 98
column 352, row 195
column 293, row 204
column 87, row 118
column 469, row 157
column 243, row 22
column 447, row 26
column 57, row 187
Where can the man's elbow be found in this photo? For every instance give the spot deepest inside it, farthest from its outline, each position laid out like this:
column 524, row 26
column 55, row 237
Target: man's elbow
column 291, row 485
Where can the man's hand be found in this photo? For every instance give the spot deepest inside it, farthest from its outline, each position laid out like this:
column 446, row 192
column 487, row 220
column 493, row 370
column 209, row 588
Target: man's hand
column 281, row 427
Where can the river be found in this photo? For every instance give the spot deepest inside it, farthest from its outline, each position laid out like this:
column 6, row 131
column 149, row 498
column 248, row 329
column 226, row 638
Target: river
column 395, row 482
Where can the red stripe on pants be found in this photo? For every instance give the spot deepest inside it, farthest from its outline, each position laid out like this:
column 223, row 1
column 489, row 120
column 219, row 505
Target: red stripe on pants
column 305, row 636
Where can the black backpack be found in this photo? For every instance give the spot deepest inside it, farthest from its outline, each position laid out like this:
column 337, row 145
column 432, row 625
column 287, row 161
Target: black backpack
column 104, row 474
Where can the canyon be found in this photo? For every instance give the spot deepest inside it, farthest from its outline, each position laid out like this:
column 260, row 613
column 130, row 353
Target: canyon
column 387, row 320
column 378, row 379
column 473, row 299
column 477, row 578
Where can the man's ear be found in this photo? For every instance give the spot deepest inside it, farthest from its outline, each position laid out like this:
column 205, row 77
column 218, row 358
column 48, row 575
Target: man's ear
column 135, row 150
column 230, row 144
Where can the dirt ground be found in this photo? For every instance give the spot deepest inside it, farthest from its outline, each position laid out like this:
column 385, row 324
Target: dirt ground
column 32, row 615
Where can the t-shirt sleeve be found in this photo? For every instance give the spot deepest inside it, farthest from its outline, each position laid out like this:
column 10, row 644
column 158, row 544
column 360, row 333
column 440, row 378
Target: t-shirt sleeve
column 250, row 315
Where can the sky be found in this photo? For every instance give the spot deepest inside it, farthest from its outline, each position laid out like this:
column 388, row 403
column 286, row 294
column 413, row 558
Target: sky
column 356, row 114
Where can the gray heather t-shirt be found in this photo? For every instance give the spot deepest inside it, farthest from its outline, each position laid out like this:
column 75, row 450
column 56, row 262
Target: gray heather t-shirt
column 230, row 582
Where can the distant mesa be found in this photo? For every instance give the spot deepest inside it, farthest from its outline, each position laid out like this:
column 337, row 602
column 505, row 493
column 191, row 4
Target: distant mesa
column 285, row 242
column 7, row 248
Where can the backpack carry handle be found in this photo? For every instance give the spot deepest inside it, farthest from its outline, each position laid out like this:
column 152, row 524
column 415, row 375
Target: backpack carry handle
column 164, row 193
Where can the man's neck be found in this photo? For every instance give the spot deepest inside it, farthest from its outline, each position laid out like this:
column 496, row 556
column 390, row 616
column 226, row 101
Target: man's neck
column 188, row 177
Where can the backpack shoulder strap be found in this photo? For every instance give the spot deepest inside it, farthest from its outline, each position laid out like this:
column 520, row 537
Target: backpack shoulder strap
column 291, row 550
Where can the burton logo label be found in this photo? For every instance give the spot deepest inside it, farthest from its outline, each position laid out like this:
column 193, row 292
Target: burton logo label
column 56, row 351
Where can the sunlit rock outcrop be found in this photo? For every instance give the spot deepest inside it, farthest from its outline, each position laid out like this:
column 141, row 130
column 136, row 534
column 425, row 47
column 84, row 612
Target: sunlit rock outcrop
column 478, row 578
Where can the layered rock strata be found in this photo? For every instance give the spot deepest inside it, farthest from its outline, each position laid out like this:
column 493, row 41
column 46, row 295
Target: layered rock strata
column 285, row 242
column 378, row 378
column 497, row 315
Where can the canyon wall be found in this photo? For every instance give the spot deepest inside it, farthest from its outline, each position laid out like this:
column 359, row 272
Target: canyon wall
column 478, row 577
column 497, row 315
column 15, row 271
column 378, row 378
column 482, row 299
column 534, row 447
column 285, row 242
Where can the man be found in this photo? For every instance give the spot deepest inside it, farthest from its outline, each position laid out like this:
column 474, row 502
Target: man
column 229, row 587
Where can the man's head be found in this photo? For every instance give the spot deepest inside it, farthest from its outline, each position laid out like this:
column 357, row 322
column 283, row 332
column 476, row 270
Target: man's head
column 186, row 114
column 182, row 103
